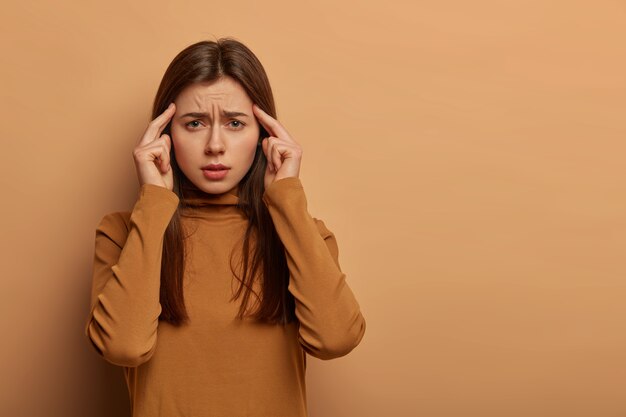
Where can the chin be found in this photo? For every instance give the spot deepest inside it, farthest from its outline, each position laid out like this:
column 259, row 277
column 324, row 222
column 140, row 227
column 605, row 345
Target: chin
column 215, row 187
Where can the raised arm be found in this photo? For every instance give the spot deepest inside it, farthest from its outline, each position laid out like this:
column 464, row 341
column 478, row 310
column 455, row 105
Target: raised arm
column 123, row 318
column 331, row 322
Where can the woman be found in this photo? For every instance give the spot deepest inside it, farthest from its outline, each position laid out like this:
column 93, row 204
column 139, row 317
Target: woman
column 216, row 285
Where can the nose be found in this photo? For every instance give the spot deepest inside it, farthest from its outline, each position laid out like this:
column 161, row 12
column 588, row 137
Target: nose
column 215, row 143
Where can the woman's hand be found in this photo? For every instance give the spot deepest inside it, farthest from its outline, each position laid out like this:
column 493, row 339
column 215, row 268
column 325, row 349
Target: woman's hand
column 152, row 153
column 283, row 154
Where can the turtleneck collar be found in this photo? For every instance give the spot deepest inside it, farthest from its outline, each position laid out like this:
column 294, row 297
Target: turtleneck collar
column 194, row 197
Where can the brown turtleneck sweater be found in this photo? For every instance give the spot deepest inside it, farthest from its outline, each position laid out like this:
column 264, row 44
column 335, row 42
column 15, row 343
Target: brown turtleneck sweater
column 216, row 365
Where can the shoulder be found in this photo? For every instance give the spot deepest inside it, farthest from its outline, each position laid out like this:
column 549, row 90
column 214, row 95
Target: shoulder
column 115, row 226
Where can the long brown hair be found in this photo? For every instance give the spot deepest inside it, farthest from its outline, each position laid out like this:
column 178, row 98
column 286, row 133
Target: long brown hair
column 262, row 249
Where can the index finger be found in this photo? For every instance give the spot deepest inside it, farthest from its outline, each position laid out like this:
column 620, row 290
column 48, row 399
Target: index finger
column 270, row 124
column 156, row 126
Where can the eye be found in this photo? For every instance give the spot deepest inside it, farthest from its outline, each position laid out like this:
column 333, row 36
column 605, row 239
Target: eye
column 240, row 124
column 193, row 121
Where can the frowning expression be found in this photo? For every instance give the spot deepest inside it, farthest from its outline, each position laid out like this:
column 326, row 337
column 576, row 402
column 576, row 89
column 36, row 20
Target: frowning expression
column 214, row 124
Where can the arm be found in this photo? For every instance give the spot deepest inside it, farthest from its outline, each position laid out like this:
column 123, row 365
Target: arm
column 123, row 318
column 331, row 323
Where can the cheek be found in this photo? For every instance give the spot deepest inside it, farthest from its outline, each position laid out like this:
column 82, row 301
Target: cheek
column 183, row 153
column 247, row 149
column 251, row 151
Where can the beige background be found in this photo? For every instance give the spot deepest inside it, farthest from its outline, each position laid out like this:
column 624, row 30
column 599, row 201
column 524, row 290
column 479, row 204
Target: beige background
column 469, row 157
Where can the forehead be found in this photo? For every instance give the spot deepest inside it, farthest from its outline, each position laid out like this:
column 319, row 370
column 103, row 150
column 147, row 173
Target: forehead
column 224, row 92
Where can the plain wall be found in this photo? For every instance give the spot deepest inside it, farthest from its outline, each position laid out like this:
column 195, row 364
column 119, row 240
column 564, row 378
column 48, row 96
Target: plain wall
column 469, row 157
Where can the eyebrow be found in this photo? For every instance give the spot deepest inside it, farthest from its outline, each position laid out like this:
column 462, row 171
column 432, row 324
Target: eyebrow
column 226, row 113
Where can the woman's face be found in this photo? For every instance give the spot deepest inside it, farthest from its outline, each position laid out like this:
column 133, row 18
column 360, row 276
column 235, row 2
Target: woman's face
column 221, row 130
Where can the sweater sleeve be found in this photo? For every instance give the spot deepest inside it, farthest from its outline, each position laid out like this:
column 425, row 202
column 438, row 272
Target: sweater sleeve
column 126, row 279
column 331, row 322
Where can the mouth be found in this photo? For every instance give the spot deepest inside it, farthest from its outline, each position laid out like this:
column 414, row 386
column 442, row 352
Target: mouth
column 215, row 171
column 215, row 167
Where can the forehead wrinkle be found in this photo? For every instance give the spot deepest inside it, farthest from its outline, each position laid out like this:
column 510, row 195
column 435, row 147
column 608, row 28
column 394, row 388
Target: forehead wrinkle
column 205, row 101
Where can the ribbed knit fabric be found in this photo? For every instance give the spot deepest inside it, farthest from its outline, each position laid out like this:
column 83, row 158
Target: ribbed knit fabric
column 217, row 365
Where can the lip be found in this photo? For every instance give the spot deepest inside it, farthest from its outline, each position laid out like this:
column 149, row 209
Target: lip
column 215, row 174
column 215, row 167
